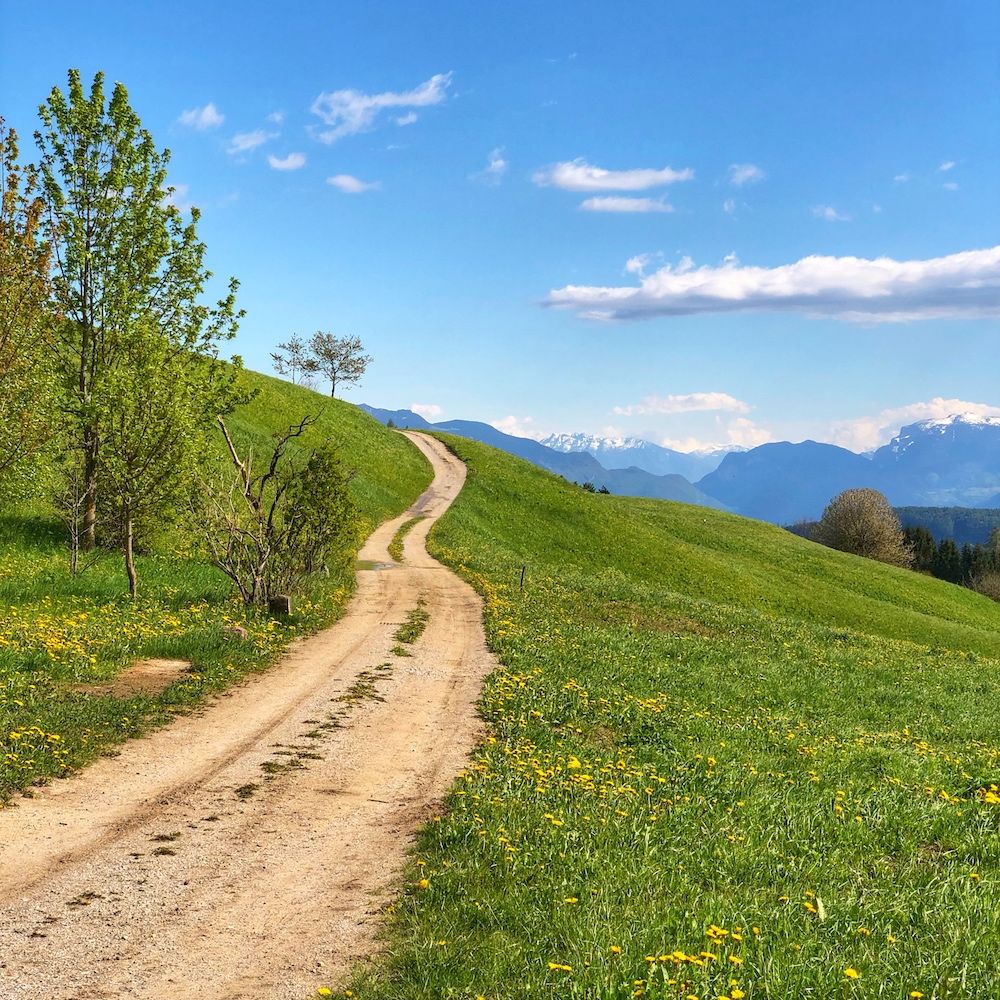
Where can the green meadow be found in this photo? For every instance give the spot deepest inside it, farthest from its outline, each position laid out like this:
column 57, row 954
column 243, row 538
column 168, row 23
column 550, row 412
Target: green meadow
column 59, row 633
column 721, row 762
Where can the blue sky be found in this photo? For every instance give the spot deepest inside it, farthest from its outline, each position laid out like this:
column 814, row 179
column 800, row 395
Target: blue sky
column 641, row 218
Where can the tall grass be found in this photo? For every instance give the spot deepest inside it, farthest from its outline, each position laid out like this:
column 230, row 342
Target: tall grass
column 722, row 762
column 59, row 632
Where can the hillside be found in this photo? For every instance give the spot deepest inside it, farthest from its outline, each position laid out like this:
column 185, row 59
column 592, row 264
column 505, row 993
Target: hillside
column 57, row 630
column 576, row 466
column 722, row 762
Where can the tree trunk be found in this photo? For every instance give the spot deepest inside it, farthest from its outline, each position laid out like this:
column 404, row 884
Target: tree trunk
column 133, row 580
column 333, row 386
column 89, row 540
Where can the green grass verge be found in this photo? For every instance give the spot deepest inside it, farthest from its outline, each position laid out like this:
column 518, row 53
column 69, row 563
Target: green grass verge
column 396, row 545
column 722, row 762
column 57, row 631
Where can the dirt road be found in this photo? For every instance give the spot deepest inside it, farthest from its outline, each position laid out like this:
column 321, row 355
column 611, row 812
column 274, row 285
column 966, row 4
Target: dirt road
column 245, row 851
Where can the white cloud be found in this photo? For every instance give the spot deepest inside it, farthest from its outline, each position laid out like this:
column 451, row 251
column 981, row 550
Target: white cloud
column 745, row 173
column 950, row 186
column 518, row 426
column 864, row 433
column 578, row 175
column 202, row 118
column 619, row 203
column 691, row 402
column 729, row 206
column 429, row 411
column 352, row 185
column 244, row 142
column 276, row 117
column 739, row 432
column 641, row 262
column 294, row 161
column 408, row 119
column 855, row 289
column 830, row 214
column 901, row 178
column 495, row 168
column 347, row 112
column 947, row 165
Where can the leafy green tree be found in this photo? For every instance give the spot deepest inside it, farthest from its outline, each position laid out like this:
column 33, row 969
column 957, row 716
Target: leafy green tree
column 161, row 402
column 27, row 375
column 123, row 257
column 863, row 522
column 339, row 359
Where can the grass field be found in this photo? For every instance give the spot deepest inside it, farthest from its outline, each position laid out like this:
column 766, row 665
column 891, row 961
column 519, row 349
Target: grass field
column 722, row 762
column 58, row 632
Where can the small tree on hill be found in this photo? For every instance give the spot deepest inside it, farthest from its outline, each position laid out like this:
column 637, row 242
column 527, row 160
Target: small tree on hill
column 339, row 359
column 862, row 522
column 294, row 359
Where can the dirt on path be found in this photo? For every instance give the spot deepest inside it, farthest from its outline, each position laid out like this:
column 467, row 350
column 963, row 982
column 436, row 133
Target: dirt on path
column 246, row 851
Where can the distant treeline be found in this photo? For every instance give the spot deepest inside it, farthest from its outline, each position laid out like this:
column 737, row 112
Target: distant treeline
column 975, row 565
column 963, row 525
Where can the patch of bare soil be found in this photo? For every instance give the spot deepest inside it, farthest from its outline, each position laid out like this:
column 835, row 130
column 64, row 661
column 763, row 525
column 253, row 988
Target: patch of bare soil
column 147, row 677
column 247, row 850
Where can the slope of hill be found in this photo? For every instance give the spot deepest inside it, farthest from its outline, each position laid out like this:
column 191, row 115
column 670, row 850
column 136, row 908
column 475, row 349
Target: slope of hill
column 712, row 764
column 575, row 466
column 58, row 630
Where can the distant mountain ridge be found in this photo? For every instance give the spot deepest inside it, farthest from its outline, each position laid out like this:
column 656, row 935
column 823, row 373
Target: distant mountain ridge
column 627, row 452
column 940, row 462
column 576, row 466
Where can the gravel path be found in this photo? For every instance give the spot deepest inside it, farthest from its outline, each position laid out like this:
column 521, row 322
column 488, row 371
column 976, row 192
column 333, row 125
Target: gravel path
column 245, row 851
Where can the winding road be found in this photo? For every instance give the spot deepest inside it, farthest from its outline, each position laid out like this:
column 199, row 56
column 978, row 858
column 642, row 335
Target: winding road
column 246, row 850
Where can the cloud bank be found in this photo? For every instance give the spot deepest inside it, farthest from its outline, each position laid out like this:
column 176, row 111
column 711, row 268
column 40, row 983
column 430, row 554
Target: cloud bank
column 691, row 402
column 578, row 175
column 962, row 285
column 347, row 112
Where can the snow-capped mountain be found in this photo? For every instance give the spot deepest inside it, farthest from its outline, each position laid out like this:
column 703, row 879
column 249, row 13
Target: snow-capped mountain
column 629, row 452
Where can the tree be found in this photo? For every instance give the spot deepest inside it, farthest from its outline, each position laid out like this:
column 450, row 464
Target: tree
column 948, row 562
column 340, row 359
column 293, row 358
column 122, row 257
column 26, row 369
column 922, row 545
column 162, row 400
column 862, row 522
column 268, row 532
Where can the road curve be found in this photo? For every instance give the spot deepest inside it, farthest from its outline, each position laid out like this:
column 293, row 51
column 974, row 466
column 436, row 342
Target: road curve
column 266, row 891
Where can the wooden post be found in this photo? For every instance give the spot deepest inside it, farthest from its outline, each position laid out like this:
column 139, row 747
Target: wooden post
column 523, row 568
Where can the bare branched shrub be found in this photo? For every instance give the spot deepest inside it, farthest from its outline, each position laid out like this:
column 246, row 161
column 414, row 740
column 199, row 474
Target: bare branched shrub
column 269, row 531
column 863, row 522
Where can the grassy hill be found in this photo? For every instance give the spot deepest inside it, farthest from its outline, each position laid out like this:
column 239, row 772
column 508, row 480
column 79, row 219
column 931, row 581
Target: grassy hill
column 722, row 762
column 58, row 631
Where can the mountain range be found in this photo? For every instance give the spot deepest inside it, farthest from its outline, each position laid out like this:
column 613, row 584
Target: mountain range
column 945, row 462
column 577, row 466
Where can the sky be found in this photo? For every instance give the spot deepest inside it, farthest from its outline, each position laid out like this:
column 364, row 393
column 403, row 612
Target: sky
column 702, row 224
